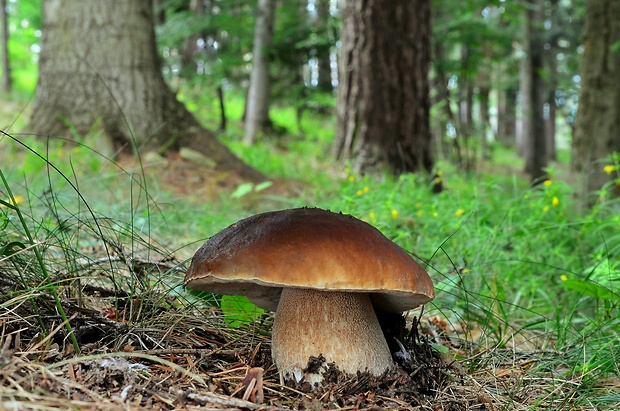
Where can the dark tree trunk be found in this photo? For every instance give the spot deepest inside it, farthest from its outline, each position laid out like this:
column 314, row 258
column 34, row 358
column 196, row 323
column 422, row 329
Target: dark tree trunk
column 507, row 81
column 6, row 67
column 551, row 63
column 550, row 124
column 466, row 94
column 483, row 81
column 98, row 61
column 383, row 92
column 159, row 17
column 220, row 98
column 507, row 117
column 485, row 121
column 324, row 49
column 534, row 142
column 597, row 131
column 465, row 107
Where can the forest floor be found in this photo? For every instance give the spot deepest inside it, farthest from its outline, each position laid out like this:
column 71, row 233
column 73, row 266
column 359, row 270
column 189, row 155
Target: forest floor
column 149, row 348
column 153, row 350
column 179, row 360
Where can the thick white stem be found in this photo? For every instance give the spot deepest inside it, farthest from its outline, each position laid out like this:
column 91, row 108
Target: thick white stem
column 342, row 327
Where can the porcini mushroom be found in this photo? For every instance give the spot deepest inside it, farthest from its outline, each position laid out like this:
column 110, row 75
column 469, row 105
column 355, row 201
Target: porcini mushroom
column 324, row 274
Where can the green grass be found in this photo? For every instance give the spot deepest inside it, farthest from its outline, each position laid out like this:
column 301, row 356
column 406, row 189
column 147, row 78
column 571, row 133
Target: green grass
column 516, row 268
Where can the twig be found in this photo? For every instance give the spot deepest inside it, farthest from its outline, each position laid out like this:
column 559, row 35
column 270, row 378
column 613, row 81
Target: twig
column 209, row 397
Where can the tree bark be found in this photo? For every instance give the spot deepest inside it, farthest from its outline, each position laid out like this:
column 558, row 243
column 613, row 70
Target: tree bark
column 483, row 83
column 551, row 63
column 99, row 61
column 257, row 103
column 597, row 130
column 466, row 94
column 506, row 117
column 383, row 92
column 324, row 49
column 6, row 66
column 534, row 142
column 550, row 118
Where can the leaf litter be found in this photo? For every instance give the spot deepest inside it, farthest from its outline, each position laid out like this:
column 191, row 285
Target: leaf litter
column 184, row 356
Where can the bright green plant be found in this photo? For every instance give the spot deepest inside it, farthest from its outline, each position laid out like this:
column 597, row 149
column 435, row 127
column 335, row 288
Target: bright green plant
column 238, row 310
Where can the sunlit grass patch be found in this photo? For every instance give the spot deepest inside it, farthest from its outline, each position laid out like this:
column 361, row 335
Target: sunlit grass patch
column 514, row 266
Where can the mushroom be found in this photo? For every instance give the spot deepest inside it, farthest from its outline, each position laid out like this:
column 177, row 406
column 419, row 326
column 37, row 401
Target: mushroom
column 325, row 274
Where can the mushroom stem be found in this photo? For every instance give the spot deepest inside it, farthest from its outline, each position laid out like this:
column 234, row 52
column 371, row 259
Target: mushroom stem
column 340, row 326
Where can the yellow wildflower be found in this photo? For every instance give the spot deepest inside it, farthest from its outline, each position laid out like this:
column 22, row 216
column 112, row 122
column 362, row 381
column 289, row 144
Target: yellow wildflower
column 372, row 215
column 609, row 168
column 358, row 193
column 459, row 212
column 394, row 214
column 366, row 189
column 18, row 200
column 547, row 182
column 546, row 208
column 555, row 201
column 351, row 179
column 563, row 277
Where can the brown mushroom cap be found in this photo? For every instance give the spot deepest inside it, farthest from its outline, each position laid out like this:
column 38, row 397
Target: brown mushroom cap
column 308, row 248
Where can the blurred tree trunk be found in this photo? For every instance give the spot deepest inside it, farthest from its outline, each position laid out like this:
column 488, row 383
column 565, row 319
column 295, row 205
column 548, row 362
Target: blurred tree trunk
column 466, row 94
column 257, row 102
column 508, row 90
column 534, row 142
column 160, row 12
column 465, row 106
column 447, row 123
column 445, row 117
column 507, row 117
column 324, row 48
column 485, row 121
column 6, row 67
column 551, row 63
column 550, row 115
column 597, row 130
column 524, row 113
column 383, row 90
column 190, row 45
column 483, row 82
column 99, row 65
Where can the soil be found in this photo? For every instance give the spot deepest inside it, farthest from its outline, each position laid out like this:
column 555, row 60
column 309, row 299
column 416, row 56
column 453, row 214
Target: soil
column 194, row 182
